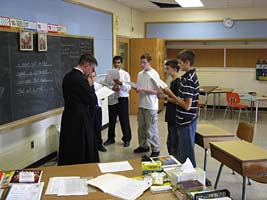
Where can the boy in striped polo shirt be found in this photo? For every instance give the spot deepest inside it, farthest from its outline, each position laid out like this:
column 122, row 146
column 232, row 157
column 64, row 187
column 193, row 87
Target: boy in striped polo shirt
column 186, row 110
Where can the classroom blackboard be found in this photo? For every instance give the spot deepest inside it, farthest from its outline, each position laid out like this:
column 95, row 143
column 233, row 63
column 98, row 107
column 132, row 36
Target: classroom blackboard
column 30, row 81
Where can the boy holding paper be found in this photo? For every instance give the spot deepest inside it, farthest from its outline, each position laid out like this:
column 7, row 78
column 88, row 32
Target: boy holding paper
column 147, row 116
column 187, row 109
column 118, row 104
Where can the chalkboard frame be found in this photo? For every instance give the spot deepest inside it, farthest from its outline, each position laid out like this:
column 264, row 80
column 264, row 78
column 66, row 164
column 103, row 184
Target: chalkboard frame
column 44, row 115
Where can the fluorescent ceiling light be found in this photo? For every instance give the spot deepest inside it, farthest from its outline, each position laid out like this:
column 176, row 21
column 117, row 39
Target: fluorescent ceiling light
column 190, row 3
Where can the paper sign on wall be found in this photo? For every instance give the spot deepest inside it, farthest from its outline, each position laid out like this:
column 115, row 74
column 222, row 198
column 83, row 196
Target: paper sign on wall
column 41, row 27
column 16, row 23
column 52, row 28
column 4, row 22
column 28, row 25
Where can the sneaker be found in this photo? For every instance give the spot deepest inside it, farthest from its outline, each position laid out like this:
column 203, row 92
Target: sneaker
column 109, row 141
column 154, row 154
column 141, row 150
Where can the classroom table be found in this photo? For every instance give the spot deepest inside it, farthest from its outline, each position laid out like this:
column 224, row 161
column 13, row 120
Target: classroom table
column 254, row 100
column 206, row 90
column 92, row 170
column 218, row 91
column 207, row 133
column 245, row 158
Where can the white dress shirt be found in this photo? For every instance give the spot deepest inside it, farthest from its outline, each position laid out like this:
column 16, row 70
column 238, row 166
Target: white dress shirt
column 124, row 88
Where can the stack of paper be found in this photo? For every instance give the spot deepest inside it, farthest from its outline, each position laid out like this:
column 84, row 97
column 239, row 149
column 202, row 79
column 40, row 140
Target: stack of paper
column 25, row 191
column 115, row 166
column 67, row 186
column 120, row 186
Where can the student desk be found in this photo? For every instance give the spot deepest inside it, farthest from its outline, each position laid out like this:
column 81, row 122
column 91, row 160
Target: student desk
column 92, row 170
column 245, row 158
column 254, row 100
column 207, row 133
column 206, row 90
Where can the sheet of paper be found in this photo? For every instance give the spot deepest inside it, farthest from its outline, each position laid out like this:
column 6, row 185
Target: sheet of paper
column 119, row 186
column 26, row 177
column 113, row 74
column 74, row 186
column 56, row 182
column 25, row 191
column 115, row 166
column 104, row 92
column 159, row 83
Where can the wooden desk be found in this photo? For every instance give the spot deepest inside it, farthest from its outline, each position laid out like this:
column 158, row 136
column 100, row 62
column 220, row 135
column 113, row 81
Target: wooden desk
column 207, row 133
column 245, row 158
column 92, row 170
column 206, row 90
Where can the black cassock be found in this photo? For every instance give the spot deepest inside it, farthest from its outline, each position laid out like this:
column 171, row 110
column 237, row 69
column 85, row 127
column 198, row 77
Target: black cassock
column 77, row 136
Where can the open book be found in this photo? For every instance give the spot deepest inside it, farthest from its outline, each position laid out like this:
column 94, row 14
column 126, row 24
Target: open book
column 120, row 186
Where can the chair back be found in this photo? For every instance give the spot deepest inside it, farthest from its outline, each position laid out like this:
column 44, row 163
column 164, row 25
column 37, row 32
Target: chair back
column 232, row 98
column 245, row 132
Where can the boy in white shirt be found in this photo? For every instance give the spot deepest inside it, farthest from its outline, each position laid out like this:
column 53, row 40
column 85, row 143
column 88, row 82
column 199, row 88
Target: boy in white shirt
column 147, row 116
column 118, row 104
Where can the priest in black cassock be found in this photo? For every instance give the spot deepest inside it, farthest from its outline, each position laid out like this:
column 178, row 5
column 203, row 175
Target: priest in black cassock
column 77, row 142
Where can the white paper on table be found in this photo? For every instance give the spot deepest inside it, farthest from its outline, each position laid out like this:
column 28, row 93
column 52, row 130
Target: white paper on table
column 25, row 191
column 115, row 166
column 120, row 186
column 56, row 182
column 219, row 198
column 113, row 74
column 103, row 92
column 187, row 166
column 132, row 84
column 74, row 186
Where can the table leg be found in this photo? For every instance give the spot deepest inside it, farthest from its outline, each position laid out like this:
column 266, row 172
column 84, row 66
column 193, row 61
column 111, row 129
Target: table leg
column 206, row 104
column 257, row 107
column 205, row 159
column 244, row 188
column 214, row 104
column 218, row 176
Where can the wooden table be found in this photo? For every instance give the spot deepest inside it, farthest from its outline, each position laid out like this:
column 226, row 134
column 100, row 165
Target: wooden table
column 206, row 90
column 92, row 170
column 207, row 133
column 219, row 91
column 254, row 100
column 245, row 158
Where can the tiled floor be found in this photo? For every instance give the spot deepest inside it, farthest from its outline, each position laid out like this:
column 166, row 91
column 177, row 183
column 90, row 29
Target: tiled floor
column 116, row 152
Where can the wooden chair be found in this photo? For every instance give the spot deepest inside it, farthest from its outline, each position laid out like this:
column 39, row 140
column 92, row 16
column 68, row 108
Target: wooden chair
column 233, row 101
column 245, row 132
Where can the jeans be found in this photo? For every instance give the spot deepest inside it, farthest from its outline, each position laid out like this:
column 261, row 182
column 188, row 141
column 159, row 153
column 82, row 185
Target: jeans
column 186, row 142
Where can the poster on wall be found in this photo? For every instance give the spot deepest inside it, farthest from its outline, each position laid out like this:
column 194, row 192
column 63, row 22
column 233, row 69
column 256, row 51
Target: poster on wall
column 42, row 41
column 52, row 28
column 26, row 40
column 41, row 27
column 17, row 23
column 28, row 25
column 62, row 29
column 4, row 22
